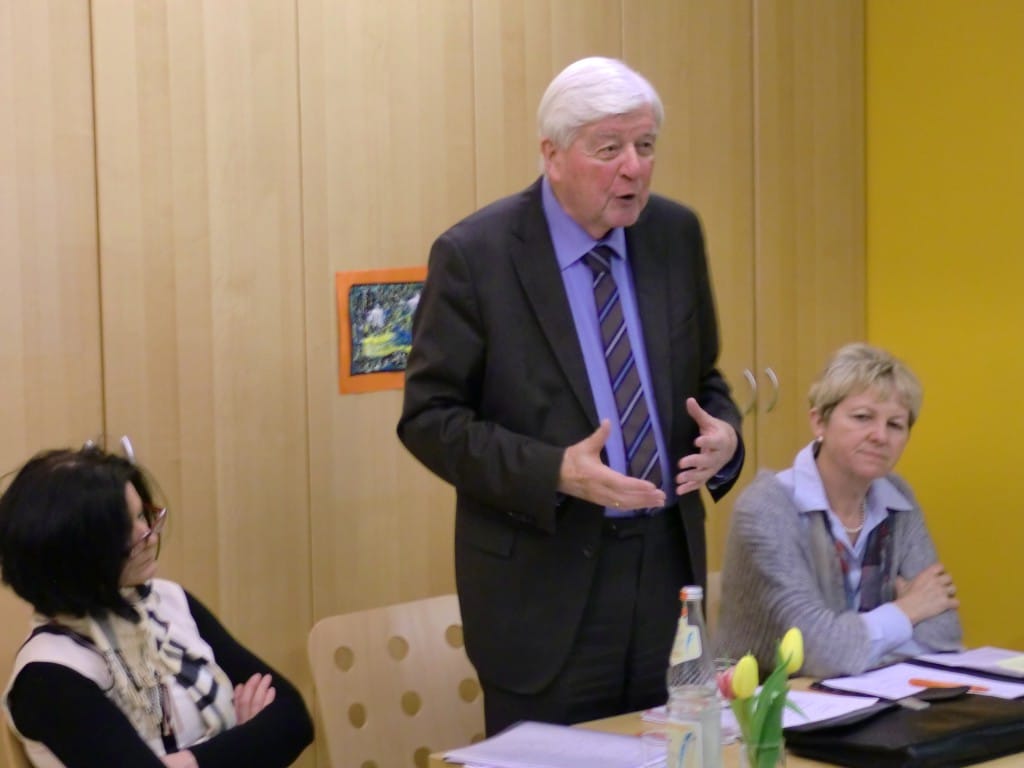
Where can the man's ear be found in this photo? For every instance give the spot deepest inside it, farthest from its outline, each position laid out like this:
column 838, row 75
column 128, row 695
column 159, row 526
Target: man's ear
column 549, row 153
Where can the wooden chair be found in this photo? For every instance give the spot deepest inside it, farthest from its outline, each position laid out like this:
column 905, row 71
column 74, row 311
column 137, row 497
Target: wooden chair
column 394, row 685
column 712, row 600
column 16, row 757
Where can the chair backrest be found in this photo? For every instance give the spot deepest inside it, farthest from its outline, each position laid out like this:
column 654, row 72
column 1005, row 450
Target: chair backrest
column 16, row 757
column 712, row 601
column 394, row 685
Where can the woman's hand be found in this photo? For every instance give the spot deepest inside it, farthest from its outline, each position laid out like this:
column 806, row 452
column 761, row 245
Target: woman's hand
column 928, row 594
column 183, row 759
column 252, row 696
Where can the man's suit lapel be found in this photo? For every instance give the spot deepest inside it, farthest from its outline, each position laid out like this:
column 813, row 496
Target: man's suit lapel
column 537, row 267
column 651, row 282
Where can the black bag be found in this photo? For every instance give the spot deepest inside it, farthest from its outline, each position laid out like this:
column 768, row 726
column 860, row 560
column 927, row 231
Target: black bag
column 951, row 732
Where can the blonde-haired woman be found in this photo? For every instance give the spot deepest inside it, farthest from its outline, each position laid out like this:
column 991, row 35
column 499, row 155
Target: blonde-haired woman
column 836, row 544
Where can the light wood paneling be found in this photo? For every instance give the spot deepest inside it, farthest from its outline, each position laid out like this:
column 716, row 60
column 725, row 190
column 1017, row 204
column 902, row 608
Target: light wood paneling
column 518, row 46
column 156, row 265
column 698, row 56
column 809, row 203
column 246, row 151
column 203, row 325
column 387, row 134
column 49, row 293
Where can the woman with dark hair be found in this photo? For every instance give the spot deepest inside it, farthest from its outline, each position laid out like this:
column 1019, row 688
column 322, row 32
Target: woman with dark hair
column 122, row 668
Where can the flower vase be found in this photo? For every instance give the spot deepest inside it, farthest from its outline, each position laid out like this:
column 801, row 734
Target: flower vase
column 763, row 754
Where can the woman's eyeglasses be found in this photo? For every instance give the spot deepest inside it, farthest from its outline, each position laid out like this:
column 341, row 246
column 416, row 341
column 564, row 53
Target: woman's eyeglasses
column 156, row 518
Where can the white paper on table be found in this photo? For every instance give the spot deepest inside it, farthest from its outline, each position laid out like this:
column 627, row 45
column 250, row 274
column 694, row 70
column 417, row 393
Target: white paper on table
column 999, row 661
column 894, row 682
column 816, row 706
column 542, row 745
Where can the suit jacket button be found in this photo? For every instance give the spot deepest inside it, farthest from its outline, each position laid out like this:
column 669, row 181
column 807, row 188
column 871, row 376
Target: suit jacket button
column 588, row 551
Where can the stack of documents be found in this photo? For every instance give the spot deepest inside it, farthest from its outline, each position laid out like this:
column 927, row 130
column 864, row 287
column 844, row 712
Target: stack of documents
column 995, row 661
column 906, row 679
column 542, row 745
column 815, row 707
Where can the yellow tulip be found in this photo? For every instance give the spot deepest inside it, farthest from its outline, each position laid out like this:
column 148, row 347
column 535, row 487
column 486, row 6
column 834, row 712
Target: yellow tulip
column 791, row 650
column 744, row 677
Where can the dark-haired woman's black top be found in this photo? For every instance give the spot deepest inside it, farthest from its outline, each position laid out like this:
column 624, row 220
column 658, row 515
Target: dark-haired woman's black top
column 67, row 712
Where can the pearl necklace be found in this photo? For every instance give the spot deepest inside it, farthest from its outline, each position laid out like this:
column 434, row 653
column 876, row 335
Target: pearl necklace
column 863, row 518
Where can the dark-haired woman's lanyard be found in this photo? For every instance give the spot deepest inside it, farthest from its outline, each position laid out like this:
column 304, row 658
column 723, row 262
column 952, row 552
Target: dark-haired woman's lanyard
column 166, row 724
column 864, row 565
column 157, row 697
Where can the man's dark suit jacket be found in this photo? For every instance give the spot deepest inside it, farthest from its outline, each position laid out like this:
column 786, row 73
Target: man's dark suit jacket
column 496, row 389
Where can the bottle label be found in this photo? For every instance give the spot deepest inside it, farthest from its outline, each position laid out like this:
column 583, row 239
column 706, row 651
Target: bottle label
column 684, row 747
column 687, row 644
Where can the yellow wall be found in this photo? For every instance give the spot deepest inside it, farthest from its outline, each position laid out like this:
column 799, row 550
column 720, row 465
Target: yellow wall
column 945, row 181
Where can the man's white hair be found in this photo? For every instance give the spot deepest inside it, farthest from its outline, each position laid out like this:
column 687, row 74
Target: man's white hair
column 589, row 90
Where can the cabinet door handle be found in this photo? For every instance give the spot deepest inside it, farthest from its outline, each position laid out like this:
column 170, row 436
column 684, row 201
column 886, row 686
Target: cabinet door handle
column 752, row 382
column 775, row 389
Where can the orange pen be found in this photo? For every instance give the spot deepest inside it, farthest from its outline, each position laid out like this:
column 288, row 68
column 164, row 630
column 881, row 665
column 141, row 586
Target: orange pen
column 942, row 684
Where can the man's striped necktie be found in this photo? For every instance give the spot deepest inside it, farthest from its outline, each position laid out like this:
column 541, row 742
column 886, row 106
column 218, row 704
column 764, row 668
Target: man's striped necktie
column 634, row 418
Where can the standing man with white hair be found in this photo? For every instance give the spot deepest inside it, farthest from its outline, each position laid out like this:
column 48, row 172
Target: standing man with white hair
column 563, row 379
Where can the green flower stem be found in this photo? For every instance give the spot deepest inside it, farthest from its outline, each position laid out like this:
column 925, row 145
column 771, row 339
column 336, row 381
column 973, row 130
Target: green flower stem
column 742, row 708
column 764, row 754
column 760, row 717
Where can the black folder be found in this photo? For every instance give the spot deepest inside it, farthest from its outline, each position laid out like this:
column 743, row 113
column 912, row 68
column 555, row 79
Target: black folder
column 956, row 731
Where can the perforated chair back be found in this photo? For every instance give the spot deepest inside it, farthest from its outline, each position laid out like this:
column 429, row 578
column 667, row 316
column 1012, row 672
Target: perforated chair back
column 16, row 757
column 712, row 601
column 394, row 685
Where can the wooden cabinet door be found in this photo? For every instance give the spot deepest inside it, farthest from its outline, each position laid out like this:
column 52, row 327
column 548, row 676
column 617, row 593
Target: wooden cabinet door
column 764, row 137
column 809, row 206
column 699, row 57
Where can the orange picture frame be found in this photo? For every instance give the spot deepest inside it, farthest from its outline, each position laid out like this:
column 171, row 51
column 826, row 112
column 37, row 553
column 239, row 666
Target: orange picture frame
column 375, row 308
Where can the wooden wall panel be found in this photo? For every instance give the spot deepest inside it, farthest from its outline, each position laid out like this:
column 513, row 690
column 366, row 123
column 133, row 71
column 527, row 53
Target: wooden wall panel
column 809, row 204
column 387, row 154
column 699, row 57
column 49, row 290
column 244, row 152
column 156, row 267
column 203, row 323
column 518, row 46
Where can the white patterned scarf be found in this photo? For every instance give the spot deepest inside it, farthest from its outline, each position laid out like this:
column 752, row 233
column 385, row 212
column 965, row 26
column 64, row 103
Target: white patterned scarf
column 143, row 656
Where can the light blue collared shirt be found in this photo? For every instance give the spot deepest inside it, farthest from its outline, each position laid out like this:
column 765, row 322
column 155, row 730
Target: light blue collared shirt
column 888, row 627
column 572, row 243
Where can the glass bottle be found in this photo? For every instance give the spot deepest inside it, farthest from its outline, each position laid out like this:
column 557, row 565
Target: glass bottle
column 694, row 710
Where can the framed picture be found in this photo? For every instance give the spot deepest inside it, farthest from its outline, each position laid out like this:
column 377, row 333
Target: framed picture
column 375, row 308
